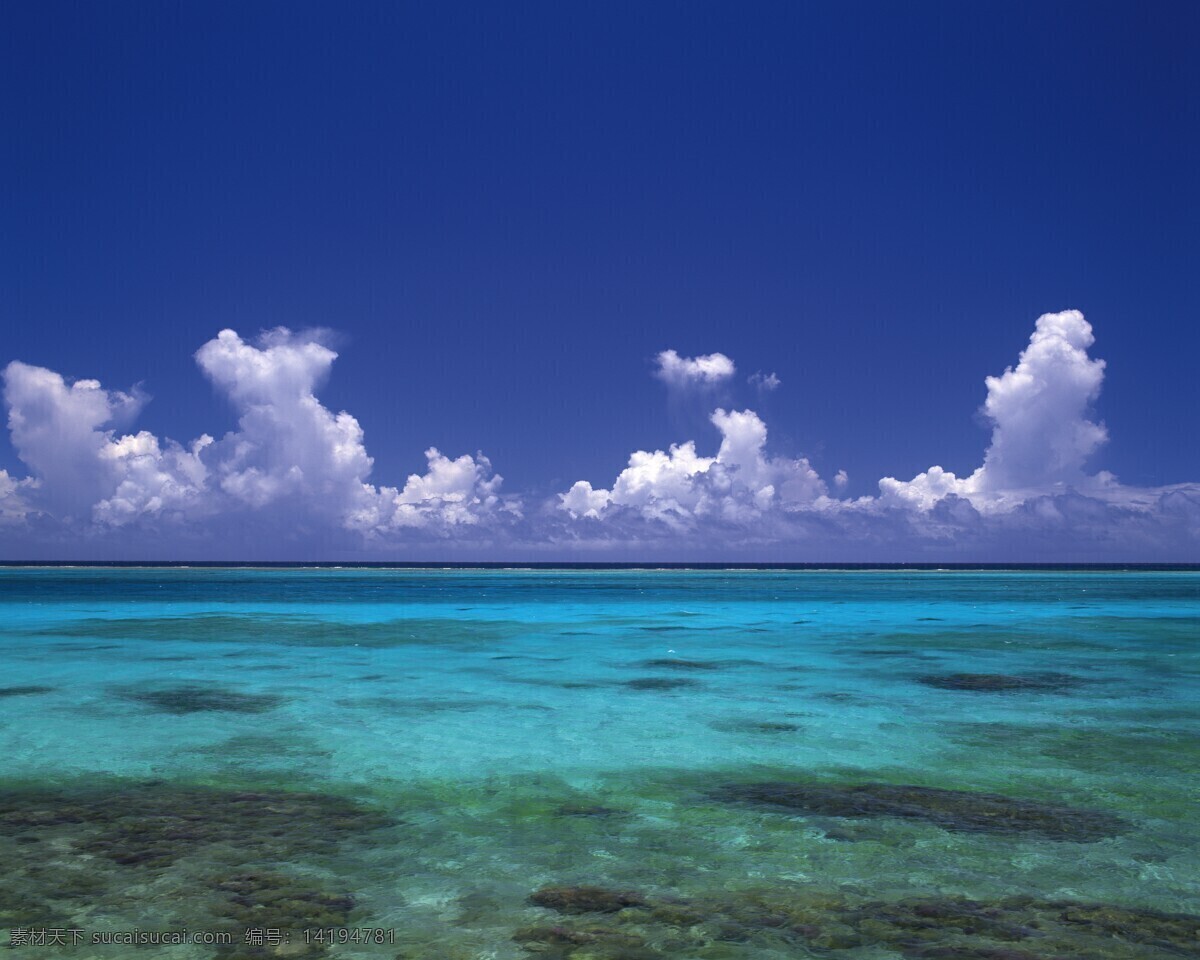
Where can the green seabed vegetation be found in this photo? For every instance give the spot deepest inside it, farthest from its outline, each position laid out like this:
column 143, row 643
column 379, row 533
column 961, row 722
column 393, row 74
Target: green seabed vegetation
column 722, row 863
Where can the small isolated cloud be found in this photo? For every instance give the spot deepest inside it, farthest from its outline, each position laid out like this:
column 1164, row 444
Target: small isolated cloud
column 683, row 372
column 840, row 480
column 584, row 501
column 765, row 382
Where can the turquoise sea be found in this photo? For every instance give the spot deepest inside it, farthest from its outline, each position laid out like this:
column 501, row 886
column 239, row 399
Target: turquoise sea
column 594, row 765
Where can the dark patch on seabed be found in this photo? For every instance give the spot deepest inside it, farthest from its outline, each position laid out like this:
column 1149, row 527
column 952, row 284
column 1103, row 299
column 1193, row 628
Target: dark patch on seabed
column 659, row 683
column 24, row 691
column 264, row 751
column 523, row 657
column 557, row 684
column 999, row 682
column 591, row 811
column 86, row 647
column 154, row 823
column 836, row 696
column 197, row 698
column 666, row 628
column 610, row 924
column 204, row 848
column 585, row 899
column 420, row 706
column 293, row 904
column 251, row 858
column 746, row 725
column 955, row 810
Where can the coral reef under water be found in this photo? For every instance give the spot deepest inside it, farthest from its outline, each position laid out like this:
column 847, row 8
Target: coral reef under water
column 956, row 810
column 1011, row 928
column 155, row 824
column 282, row 902
column 585, row 899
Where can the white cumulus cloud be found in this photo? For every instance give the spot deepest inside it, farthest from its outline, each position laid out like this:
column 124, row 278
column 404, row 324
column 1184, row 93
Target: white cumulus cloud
column 451, row 494
column 1041, row 432
column 682, row 372
column 290, row 464
column 293, row 479
column 584, row 501
column 290, row 448
column 153, row 481
column 288, row 445
column 1042, row 435
column 679, row 486
column 67, row 435
column 1031, row 498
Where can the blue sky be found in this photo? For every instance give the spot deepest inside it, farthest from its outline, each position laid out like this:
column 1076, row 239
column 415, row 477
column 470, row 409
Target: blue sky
column 504, row 213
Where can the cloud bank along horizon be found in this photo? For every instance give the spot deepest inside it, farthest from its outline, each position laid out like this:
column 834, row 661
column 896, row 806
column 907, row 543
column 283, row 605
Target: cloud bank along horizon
column 291, row 480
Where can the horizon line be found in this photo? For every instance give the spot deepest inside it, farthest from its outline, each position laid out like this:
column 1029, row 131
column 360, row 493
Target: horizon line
column 600, row 565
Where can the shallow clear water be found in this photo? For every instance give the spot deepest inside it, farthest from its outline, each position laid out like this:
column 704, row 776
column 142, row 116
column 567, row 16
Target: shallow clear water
column 462, row 739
